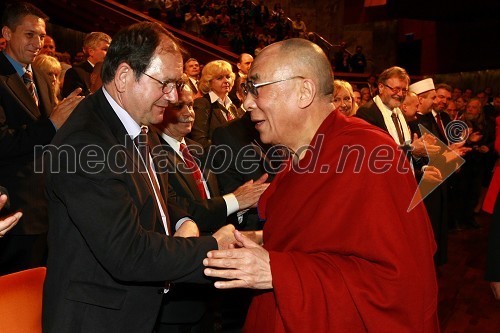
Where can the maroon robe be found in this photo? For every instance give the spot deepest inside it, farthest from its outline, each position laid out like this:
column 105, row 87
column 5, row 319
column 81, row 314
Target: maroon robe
column 346, row 256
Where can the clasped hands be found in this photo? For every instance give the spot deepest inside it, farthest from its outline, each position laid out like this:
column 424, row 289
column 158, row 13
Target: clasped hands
column 244, row 264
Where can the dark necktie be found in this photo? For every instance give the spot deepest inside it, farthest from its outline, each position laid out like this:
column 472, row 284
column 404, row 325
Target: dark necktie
column 28, row 81
column 142, row 144
column 440, row 126
column 395, row 120
column 194, row 169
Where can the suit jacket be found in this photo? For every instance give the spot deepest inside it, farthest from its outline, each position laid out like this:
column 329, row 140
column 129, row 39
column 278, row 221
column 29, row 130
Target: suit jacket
column 208, row 116
column 77, row 76
column 24, row 125
column 209, row 214
column 109, row 255
column 193, row 87
column 241, row 156
column 429, row 122
column 372, row 114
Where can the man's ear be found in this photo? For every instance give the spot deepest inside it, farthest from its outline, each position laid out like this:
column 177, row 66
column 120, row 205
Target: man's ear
column 307, row 93
column 6, row 33
column 123, row 74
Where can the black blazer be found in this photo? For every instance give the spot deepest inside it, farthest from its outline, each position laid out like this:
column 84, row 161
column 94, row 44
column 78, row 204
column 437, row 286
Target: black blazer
column 108, row 252
column 372, row 114
column 209, row 116
column 77, row 76
column 209, row 214
column 24, row 125
column 240, row 156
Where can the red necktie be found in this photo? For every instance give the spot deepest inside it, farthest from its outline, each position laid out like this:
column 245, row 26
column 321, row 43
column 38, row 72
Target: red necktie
column 440, row 126
column 194, row 169
column 395, row 120
column 142, row 144
column 28, row 81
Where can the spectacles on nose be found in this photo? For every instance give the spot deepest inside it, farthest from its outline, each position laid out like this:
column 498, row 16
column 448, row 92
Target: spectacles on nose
column 396, row 90
column 168, row 86
column 250, row 87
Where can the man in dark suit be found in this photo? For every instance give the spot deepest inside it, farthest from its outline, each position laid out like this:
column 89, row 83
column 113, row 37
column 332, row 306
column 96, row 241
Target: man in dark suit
column 196, row 192
column 110, row 242
column 27, row 119
column 95, row 46
column 240, row 153
column 192, row 70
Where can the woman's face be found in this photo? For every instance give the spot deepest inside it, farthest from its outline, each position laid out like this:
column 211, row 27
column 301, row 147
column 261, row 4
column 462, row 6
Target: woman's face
column 221, row 85
column 343, row 101
column 53, row 75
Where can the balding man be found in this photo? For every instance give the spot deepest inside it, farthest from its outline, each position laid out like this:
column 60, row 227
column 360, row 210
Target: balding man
column 329, row 263
column 244, row 63
column 49, row 46
column 409, row 107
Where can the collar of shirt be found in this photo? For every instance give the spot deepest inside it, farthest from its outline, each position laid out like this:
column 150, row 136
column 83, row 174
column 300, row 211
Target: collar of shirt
column 434, row 114
column 133, row 129
column 176, row 145
column 193, row 80
column 20, row 69
column 387, row 113
column 215, row 98
column 91, row 64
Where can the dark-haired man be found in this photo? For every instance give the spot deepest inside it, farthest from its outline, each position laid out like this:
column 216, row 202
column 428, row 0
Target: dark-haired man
column 110, row 236
column 28, row 118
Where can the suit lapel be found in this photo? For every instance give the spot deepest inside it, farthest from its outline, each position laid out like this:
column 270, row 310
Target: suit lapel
column 15, row 84
column 125, row 140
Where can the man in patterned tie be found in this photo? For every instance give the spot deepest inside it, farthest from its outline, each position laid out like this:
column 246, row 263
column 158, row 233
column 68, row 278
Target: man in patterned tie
column 27, row 119
column 198, row 194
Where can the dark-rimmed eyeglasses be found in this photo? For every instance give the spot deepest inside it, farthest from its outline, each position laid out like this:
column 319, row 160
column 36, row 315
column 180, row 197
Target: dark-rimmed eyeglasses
column 168, row 86
column 396, row 90
column 250, row 87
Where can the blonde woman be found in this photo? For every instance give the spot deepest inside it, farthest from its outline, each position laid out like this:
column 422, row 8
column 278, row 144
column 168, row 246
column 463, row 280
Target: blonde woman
column 214, row 108
column 343, row 98
column 51, row 67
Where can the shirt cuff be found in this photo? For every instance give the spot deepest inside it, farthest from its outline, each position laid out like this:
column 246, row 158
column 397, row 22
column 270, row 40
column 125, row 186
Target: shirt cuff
column 232, row 204
column 180, row 222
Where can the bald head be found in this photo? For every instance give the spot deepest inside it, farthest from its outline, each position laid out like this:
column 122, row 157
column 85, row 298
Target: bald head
column 305, row 58
column 244, row 63
column 410, row 105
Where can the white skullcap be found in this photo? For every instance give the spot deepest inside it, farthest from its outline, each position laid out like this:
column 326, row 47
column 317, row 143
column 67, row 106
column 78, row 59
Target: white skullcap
column 422, row 86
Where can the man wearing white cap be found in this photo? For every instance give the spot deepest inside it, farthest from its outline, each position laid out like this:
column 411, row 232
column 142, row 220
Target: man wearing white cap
column 426, row 94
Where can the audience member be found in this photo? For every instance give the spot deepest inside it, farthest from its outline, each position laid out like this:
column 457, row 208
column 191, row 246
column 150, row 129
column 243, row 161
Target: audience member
column 27, row 119
column 357, row 96
column 358, row 60
column 342, row 58
column 49, row 46
column 492, row 206
column 244, row 62
column 7, row 222
column 95, row 77
column 409, row 106
column 214, row 108
column 51, row 67
column 457, row 92
column 365, row 96
column 192, row 21
column 313, row 263
column 343, row 98
column 461, row 104
column 451, row 110
column 95, row 46
column 117, row 224
column 192, row 70
column 299, row 27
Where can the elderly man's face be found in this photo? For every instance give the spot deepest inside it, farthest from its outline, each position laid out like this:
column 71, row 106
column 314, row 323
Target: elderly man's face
column 426, row 101
column 145, row 100
column 393, row 92
column 274, row 110
column 179, row 117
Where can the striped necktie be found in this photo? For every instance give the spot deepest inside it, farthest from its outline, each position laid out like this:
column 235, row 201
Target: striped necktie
column 28, row 81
